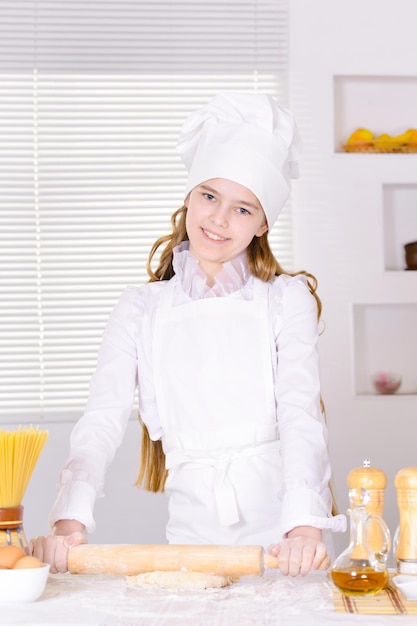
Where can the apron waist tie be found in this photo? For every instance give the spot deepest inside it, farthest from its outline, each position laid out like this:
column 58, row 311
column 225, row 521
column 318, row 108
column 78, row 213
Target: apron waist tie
column 224, row 492
column 225, row 495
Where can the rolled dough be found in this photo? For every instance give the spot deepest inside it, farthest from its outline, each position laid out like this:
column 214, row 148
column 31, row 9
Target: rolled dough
column 179, row 580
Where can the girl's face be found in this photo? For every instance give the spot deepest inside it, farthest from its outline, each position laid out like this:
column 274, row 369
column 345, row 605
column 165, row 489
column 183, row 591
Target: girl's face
column 222, row 219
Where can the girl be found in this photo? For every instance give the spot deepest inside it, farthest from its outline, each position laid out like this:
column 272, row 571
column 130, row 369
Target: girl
column 222, row 346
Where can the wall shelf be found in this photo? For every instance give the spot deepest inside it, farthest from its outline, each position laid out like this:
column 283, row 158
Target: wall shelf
column 399, row 222
column 379, row 345
column 382, row 104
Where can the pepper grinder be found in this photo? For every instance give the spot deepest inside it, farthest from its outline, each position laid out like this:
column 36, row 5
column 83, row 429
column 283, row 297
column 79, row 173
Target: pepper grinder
column 406, row 541
column 374, row 480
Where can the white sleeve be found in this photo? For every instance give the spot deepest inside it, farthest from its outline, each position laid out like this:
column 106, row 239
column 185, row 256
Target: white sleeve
column 303, row 433
column 99, row 432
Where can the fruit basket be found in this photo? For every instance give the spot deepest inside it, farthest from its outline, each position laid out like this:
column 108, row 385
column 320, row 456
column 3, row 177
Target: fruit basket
column 363, row 140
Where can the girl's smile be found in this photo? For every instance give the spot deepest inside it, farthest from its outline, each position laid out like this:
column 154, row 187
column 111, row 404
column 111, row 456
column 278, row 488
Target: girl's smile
column 213, row 236
column 222, row 219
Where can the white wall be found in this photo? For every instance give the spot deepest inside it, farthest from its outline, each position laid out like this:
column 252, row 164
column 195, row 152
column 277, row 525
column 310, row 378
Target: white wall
column 339, row 215
column 125, row 514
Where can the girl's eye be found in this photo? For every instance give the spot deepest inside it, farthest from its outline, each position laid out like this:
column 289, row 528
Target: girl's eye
column 243, row 211
column 208, row 196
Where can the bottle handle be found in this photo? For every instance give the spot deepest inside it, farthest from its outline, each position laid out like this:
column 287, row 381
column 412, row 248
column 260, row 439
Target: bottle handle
column 379, row 559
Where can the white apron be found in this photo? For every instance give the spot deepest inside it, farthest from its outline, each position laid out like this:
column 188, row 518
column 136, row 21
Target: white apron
column 215, row 395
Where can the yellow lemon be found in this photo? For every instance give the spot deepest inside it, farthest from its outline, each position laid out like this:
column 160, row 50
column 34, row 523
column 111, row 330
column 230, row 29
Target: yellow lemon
column 384, row 137
column 411, row 135
column 361, row 135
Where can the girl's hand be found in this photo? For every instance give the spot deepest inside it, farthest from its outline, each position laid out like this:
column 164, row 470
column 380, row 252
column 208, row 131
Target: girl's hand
column 54, row 548
column 301, row 552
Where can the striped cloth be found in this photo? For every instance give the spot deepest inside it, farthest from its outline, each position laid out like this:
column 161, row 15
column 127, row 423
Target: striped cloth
column 389, row 601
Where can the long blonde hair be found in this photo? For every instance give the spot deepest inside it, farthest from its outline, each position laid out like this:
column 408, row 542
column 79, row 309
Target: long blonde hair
column 262, row 264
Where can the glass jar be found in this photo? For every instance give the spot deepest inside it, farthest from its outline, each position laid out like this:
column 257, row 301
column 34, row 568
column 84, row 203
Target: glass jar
column 11, row 527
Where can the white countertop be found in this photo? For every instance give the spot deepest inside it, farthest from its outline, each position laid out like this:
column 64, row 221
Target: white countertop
column 269, row 600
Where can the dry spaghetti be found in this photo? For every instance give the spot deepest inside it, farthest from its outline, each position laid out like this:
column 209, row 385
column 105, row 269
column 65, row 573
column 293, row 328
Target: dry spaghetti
column 19, row 453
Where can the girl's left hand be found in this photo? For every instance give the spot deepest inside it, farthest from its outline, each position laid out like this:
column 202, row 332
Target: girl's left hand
column 301, row 552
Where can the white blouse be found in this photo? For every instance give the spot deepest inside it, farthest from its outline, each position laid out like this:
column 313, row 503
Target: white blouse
column 124, row 365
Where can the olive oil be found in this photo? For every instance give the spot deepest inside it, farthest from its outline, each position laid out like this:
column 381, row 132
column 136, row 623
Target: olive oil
column 360, row 570
column 359, row 580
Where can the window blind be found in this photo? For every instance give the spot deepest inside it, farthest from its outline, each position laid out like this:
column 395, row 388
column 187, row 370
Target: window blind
column 92, row 97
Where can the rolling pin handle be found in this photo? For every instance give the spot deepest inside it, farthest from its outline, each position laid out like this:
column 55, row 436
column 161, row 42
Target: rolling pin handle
column 270, row 561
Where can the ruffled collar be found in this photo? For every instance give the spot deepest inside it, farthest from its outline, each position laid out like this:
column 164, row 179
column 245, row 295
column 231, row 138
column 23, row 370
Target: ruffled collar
column 232, row 277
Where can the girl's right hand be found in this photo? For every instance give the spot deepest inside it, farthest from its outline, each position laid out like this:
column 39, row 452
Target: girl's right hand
column 53, row 549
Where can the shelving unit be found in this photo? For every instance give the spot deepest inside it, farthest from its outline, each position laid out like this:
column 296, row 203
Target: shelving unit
column 353, row 66
column 384, row 333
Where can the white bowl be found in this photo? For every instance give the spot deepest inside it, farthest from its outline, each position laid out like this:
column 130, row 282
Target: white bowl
column 23, row 585
column 407, row 585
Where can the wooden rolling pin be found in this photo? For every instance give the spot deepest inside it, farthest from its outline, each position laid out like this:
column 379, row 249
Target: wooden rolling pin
column 130, row 560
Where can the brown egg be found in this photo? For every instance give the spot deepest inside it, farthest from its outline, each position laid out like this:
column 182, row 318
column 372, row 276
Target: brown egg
column 27, row 562
column 9, row 555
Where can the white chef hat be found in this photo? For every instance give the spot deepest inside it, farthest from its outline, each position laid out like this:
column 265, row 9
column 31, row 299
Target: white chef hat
column 246, row 138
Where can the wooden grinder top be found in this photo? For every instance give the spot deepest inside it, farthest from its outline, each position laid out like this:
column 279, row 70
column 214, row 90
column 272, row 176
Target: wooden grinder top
column 367, row 477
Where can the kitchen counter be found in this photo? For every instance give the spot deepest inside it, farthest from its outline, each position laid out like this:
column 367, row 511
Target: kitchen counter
column 270, row 600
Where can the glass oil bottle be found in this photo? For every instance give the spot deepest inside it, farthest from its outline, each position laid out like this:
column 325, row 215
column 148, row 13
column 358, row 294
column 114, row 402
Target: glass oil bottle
column 359, row 569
